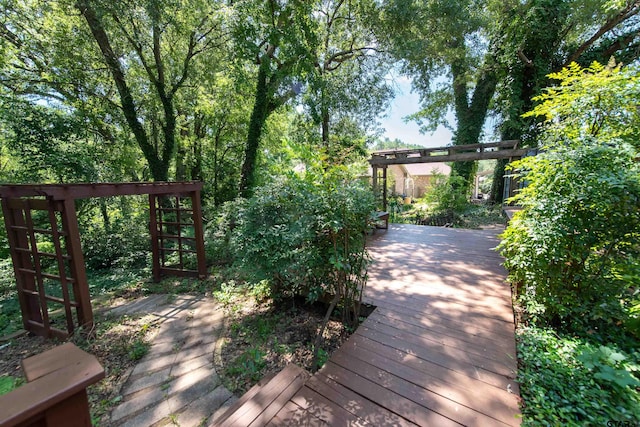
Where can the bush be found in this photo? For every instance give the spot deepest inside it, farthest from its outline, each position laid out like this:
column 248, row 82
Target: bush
column 447, row 195
column 573, row 248
column 218, row 232
column 126, row 244
column 574, row 245
column 304, row 236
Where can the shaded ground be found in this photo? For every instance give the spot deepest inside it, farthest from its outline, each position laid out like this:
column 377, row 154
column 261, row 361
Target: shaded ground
column 262, row 338
column 259, row 339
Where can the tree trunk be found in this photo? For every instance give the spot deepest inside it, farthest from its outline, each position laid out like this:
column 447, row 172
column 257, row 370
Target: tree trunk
column 256, row 123
column 325, row 127
column 497, row 185
column 471, row 116
column 196, row 168
column 159, row 168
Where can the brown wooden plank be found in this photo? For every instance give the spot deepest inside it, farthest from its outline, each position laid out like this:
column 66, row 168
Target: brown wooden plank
column 326, row 410
column 502, row 334
column 50, row 390
column 244, row 399
column 492, row 308
column 430, row 369
column 447, row 336
column 437, row 357
column 106, row 189
column 292, row 415
column 356, row 404
column 491, row 403
column 279, row 389
column 284, row 394
column 385, row 397
column 457, row 314
column 501, row 367
column 417, row 393
column 49, row 361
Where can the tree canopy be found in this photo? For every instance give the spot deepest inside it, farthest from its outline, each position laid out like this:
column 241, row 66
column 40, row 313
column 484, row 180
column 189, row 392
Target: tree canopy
column 188, row 90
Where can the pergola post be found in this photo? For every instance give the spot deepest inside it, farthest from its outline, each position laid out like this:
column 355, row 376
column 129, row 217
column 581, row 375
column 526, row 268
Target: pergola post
column 26, row 283
column 76, row 264
column 196, row 205
column 36, row 277
column 154, row 232
column 384, row 188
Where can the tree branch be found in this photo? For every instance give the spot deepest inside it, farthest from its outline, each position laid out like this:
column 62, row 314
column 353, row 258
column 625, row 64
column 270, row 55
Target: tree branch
column 632, row 9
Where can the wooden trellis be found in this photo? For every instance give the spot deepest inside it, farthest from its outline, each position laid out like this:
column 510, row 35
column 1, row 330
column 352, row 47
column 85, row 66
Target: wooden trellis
column 47, row 259
column 454, row 153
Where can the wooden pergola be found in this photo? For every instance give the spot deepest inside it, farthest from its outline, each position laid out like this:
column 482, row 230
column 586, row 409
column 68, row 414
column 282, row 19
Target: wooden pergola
column 455, row 153
column 44, row 241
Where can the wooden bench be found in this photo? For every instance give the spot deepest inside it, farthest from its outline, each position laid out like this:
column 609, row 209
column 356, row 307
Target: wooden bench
column 55, row 393
column 263, row 401
column 379, row 217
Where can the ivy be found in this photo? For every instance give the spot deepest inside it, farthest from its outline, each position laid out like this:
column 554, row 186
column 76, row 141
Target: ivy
column 567, row 381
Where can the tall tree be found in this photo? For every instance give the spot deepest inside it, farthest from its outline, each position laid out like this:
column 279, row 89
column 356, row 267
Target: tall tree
column 543, row 36
column 277, row 36
column 122, row 63
column 165, row 48
column 454, row 40
column 348, row 83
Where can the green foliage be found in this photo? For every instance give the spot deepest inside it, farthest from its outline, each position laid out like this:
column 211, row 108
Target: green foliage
column 447, row 195
column 138, row 349
column 247, row 366
column 305, row 236
column 611, row 366
column 573, row 248
column 568, row 381
column 124, row 245
column 7, row 384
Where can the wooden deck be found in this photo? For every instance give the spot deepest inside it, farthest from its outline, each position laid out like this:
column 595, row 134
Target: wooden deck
column 438, row 351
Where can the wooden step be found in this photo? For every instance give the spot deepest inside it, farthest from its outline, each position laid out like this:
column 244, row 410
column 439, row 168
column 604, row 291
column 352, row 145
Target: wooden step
column 260, row 404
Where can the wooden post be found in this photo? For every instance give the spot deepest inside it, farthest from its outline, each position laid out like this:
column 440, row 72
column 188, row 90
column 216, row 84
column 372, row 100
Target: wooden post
column 196, row 206
column 384, row 188
column 74, row 249
column 18, row 244
column 153, row 229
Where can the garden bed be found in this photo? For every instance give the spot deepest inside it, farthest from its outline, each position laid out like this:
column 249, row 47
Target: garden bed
column 262, row 337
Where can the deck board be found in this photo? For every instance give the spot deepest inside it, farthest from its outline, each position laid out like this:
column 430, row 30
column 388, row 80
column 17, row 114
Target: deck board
column 438, row 350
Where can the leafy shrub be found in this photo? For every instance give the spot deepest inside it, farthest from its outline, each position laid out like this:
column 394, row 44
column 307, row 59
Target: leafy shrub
column 218, row 231
column 567, row 381
column 126, row 244
column 305, row 236
column 447, row 195
column 572, row 250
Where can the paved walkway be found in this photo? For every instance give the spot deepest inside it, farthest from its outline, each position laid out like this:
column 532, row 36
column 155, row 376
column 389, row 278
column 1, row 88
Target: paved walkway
column 175, row 383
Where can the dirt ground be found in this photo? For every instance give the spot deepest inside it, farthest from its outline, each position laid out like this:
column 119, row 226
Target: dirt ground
column 261, row 339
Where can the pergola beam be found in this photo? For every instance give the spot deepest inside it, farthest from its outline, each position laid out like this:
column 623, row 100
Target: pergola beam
column 454, row 153
column 85, row 191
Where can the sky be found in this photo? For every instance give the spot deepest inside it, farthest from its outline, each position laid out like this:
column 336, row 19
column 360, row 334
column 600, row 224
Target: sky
column 404, row 104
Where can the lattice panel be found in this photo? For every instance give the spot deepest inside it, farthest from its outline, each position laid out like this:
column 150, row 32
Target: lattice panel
column 176, row 227
column 50, row 294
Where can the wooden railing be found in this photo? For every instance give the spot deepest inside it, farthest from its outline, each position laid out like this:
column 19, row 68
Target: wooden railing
column 55, row 393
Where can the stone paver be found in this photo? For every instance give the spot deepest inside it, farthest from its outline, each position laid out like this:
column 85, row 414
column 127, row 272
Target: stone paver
column 176, row 382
